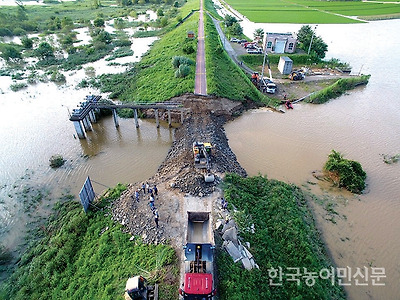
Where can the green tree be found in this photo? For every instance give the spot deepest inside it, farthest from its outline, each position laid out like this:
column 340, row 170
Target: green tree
column 10, row 53
column 258, row 34
column 164, row 21
column 235, row 29
column 98, row 22
column 306, row 36
column 229, row 20
column 67, row 23
column 319, row 47
column 27, row 42
column 160, row 12
column 44, row 51
column 102, row 36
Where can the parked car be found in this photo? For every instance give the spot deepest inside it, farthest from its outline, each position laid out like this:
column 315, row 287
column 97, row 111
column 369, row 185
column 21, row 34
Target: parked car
column 234, row 40
column 249, row 45
column 254, row 51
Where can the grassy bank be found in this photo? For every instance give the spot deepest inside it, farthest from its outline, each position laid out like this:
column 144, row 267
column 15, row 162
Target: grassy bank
column 285, row 236
column 337, row 89
column 224, row 77
column 87, row 256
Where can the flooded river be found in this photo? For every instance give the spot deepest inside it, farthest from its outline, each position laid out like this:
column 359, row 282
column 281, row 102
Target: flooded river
column 362, row 125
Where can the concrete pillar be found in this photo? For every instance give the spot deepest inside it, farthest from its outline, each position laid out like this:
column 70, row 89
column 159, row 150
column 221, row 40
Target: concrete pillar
column 115, row 116
column 169, row 118
column 182, row 119
column 157, row 120
column 79, row 130
column 86, row 123
column 136, row 118
column 92, row 116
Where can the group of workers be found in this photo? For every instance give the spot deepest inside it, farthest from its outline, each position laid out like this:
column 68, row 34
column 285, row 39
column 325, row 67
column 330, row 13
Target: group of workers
column 153, row 192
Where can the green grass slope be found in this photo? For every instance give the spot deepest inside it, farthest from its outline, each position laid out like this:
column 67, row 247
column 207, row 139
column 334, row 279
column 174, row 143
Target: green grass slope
column 87, row 256
column 224, row 77
column 285, row 236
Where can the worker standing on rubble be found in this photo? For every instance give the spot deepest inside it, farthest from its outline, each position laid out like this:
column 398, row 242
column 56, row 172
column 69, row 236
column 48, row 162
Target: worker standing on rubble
column 156, row 216
column 137, row 195
column 155, row 190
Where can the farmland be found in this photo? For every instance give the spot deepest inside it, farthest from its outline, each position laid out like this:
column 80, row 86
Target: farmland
column 322, row 12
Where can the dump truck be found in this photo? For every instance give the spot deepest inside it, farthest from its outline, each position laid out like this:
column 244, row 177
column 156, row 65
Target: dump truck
column 199, row 258
column 137, row 289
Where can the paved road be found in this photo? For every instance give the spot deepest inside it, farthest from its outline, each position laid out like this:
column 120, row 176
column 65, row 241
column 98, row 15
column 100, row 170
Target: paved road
column 200, row 84
column 228, row 47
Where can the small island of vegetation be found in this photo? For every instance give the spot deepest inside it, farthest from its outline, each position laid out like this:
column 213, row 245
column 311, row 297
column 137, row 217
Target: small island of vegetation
column 345, row 173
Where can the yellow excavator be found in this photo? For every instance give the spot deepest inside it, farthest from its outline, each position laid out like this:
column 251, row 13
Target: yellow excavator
column 202, row 158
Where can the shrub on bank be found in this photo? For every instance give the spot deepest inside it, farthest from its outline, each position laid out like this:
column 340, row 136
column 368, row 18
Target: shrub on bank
column 350, row 174
column 338, row 88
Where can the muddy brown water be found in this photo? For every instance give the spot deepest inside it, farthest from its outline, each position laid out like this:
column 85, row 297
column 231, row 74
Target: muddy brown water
column 362, row 125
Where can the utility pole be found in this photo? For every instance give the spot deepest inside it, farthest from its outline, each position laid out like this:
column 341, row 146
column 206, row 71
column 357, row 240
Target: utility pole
column 312, row 37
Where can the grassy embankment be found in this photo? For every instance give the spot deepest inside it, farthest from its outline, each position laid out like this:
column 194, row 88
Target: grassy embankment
column 87, row 256
column 285, row 236
column 155, row 79
column 311, row 12
column 337, row 89
column 224, row 77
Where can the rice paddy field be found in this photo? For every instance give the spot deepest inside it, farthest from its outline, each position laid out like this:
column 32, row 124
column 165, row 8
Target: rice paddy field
column 312, row 12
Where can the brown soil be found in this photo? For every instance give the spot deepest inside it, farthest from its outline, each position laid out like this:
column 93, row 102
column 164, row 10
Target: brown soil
column 181, row 186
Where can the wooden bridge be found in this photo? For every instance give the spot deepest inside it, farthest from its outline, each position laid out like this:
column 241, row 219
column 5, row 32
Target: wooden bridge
column 85, row 114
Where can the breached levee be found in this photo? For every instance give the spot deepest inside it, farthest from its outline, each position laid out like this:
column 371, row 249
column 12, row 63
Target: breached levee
column 205, row 124
column 177, row 176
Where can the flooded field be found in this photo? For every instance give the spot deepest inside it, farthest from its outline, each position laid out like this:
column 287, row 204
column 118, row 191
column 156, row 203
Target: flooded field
column 35, row 125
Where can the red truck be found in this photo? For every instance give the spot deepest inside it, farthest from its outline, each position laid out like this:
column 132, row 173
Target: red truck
column 198, row 281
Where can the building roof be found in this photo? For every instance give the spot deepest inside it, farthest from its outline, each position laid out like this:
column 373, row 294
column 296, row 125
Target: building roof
column 285, row 58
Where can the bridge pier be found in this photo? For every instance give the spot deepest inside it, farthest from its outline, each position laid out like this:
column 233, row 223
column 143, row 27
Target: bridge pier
column 169, row 118
column 79, row 130
column 157, row 120
column 136, row 117
column 115, row 116
column 86, row 124
column 92, row 116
